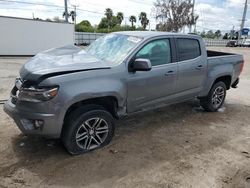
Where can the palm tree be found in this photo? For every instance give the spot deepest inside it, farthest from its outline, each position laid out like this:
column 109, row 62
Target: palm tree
column 64, row 14
column 109, row 15
column 73, row 15
column 132, row 19
column 144, row 20
column 119, row 17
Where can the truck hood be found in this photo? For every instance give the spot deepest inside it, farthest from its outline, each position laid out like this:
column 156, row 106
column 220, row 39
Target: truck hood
column 58, row 61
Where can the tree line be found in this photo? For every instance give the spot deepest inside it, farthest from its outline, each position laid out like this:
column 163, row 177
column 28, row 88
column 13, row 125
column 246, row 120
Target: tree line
column 111, row 22
column 171, row 16
column 233, row 35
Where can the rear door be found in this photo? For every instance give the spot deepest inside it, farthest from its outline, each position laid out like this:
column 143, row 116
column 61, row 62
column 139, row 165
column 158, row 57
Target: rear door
column 191, row 66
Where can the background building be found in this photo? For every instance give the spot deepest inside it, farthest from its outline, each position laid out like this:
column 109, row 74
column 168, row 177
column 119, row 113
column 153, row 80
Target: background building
column 21, row 36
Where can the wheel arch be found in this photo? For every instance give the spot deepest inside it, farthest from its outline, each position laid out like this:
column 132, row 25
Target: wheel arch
column 109, row 103
column 227, row 79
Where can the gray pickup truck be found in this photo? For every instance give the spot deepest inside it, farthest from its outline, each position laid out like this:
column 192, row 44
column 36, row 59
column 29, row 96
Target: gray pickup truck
column 76, row 94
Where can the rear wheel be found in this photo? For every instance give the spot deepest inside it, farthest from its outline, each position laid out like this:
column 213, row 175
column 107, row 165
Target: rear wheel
column 87, row 128
column 215, row 98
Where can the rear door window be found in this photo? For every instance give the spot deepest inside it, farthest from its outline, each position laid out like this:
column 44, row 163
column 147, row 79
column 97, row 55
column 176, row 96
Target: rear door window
column 188, row 49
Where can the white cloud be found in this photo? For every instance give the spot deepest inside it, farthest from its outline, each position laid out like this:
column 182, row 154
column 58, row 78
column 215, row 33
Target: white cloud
column 214, row 14
column 223, row 17
column 234, row 3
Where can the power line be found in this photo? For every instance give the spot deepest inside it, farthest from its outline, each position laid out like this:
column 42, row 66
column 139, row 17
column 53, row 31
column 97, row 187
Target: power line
column 141, row 2
column 57, row 6
column 63, row 7
column 16, row 8
column 90, row 11
column 133, row 1
column 30, row 3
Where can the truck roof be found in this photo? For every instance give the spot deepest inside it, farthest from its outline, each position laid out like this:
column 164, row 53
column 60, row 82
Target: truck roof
column 149, row 34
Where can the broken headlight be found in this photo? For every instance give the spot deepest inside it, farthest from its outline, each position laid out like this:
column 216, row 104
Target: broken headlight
column 40, row 94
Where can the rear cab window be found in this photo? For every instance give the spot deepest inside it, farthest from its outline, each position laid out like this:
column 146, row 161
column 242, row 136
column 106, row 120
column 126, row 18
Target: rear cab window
column 188, row 48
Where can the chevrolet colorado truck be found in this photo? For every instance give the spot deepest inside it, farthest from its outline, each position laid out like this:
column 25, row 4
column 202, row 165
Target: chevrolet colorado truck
column 76, row 94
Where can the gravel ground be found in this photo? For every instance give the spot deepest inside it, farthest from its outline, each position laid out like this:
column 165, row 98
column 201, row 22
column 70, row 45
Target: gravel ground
column 176, row 146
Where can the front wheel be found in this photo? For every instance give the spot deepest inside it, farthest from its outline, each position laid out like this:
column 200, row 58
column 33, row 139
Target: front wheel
column 215, row 98
column 87, row 128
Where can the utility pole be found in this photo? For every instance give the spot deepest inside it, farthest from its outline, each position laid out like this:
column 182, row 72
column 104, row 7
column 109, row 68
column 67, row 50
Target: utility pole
column 66, row 11
column 242, row 25
column 195, row 27
column 190, row 28
column 75, row 13
column 125, row 19
column 231, row 36
column 193, row 15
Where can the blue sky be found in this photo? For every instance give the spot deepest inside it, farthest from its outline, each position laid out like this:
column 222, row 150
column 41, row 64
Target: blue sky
column 214, row 14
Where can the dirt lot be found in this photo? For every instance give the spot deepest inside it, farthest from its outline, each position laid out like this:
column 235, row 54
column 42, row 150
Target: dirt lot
column 176, row 146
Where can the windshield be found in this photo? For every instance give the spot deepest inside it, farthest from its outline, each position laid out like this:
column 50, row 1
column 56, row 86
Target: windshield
column 113, row 47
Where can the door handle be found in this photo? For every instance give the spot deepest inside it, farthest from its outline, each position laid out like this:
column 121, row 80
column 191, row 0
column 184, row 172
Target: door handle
column 169, row 73
column 199, row 67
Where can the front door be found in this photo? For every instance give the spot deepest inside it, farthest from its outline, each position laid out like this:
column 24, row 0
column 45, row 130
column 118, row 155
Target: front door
column 146, row 89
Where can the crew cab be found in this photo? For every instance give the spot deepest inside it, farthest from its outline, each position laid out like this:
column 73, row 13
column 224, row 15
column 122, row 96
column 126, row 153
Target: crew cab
column 76, row 94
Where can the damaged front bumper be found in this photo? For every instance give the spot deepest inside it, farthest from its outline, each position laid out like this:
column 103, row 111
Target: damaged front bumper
column 32, row 123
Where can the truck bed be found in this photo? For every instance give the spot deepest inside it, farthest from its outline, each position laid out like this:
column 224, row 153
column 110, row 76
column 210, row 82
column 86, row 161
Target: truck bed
column 217, row 58
column 223, row 57
column 211, row 53
column 222, row 61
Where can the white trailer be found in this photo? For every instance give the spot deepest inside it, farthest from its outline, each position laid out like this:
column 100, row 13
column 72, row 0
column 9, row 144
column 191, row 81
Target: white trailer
column 20, row 36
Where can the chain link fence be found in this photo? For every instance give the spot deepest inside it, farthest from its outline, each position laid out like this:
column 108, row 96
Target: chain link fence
column 216, row 42
column 84, row 39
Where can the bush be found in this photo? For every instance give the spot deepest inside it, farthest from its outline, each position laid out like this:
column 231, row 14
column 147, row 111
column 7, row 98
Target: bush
column 83, row 28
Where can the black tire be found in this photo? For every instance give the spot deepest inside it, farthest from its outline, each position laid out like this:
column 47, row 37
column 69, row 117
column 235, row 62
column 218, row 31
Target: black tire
column 208, row 103
column 78, row 122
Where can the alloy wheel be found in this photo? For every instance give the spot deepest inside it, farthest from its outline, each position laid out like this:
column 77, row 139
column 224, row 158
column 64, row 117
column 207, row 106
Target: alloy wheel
column 92, row 133
column 218, row 96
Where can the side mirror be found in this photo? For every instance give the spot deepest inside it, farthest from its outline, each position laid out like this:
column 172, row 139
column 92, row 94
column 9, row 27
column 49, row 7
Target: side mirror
column 141, row 65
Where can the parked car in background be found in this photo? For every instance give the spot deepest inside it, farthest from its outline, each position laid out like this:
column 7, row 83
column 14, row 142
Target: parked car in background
column 232, row 43
column 246, row 43
column 76, row 94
